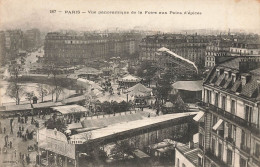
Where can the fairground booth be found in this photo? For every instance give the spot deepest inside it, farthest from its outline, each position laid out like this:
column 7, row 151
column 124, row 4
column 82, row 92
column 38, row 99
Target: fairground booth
column 128, row 81
column 188, row 90
column 71, row 113
column 141, row 94
column 54, row 149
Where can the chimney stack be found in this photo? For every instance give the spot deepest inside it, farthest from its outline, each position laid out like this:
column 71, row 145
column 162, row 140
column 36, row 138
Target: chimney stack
column 191, row 144
column 245, row 78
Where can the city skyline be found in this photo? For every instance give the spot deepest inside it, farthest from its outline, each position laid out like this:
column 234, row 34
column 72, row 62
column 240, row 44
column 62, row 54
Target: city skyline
column 216, row 15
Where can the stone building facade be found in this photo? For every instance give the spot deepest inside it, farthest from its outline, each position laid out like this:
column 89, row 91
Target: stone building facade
column 229, row 130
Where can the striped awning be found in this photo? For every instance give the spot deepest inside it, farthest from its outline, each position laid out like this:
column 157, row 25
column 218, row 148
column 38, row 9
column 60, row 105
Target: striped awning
column 199, row 116
column 218, row 126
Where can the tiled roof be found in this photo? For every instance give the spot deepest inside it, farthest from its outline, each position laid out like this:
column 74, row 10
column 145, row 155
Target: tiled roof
column 190, row 154
column 220, row 80
column 228, row 83
column 250, row 88
column 232, row 64
column 236, row 86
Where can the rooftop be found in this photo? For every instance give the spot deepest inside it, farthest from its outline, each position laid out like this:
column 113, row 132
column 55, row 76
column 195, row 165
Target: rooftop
column 190, row 154
column 240, row 67
column 119, row 128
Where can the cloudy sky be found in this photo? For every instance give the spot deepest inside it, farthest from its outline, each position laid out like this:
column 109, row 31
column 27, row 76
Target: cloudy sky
column 215, row 14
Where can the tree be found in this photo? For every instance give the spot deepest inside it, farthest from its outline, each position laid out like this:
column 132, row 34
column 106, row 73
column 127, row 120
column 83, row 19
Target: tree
column 121, row 148
column 29, row 96
column 15, row 91
column 53, row 123
column 42, row 90
column 58, row 91
column 131, row 70
column 147, row 71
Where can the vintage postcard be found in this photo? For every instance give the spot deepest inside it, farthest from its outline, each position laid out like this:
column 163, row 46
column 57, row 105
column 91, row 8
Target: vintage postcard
column 129, row 83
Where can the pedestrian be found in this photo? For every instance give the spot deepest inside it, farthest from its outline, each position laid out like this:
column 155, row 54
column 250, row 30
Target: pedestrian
column 4, row 130
column 19, row 128
column 0, row 150
column 15, row 153
column 20, row 154
column 18, row 134
column 11, row 144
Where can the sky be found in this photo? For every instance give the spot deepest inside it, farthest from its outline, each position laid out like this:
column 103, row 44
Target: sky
column 241, row 15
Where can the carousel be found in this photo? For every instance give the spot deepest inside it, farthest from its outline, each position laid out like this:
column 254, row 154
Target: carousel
column 128, row 81
column 142, row 95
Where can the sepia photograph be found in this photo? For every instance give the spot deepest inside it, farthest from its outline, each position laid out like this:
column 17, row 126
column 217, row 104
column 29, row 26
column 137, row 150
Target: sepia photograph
column 129, row 83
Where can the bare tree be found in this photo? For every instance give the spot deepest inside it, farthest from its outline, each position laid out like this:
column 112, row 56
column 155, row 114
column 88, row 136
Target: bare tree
column 42, row 90
column 58, row 91
column 29, row 96
column 15, row 91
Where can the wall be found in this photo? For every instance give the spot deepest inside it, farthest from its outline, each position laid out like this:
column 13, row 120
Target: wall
column 182, row 160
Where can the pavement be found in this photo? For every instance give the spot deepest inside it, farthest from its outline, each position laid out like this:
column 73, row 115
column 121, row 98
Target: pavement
column 11, row 158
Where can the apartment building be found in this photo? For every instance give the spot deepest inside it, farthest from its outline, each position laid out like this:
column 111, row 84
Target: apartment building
column 229, row 126
column 79, row 49
column 245, row 47
column 216, row 50
column 191, row 47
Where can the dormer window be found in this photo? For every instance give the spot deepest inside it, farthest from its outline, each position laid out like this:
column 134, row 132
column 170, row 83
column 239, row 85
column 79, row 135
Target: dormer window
column 218, row 72
column 245, row 78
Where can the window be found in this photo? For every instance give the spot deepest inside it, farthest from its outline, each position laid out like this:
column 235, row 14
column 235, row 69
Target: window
column 201, row 140
column 220, row 150
column 200, row 161
column 229, row 157
column 214, row 120
column 233, row 106
column 243, row 138
column 248, row 113
column 257, row 150
column 224, row 102
column 213, row 146
column 216, row 100
column 229, row 130
column 208, row 96
column 242, row 162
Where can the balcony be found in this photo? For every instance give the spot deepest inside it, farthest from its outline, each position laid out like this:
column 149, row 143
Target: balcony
column 244, row 148
column 202, row 124
column 230, row 140
column 216, row 159
column 201, row 146
column 240, row 121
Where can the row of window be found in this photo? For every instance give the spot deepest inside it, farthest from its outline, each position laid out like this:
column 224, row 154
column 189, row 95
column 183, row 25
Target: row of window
column 223, row 99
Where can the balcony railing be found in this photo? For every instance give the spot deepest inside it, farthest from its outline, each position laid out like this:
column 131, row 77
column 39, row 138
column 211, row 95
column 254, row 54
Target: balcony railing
column 201, row 147
column 230, row 140
column 244, row 148
column 234, row 118
column 202, row 124
column 216, row 159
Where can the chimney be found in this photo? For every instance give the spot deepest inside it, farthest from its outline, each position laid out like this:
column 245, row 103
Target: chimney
column 245, row 77
column 258, row 85
column 191, row 144
column 227, row 74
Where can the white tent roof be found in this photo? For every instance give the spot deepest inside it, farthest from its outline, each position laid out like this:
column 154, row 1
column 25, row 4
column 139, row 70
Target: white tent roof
column 188, row 85
column 69, row 109
column 139, row 90
column 130, row 78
